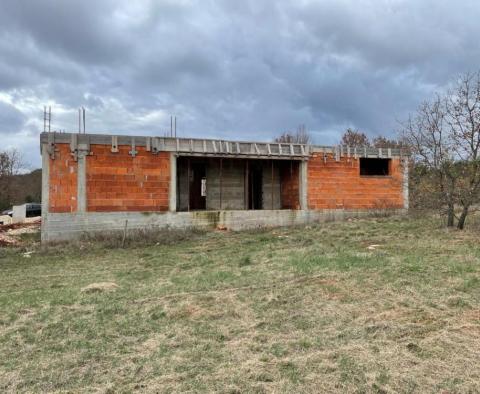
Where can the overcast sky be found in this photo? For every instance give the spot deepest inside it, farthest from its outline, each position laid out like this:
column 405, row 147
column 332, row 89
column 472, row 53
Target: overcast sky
column 227, row 69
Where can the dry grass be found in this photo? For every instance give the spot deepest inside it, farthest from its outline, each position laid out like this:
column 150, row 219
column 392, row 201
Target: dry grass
column 310, row 309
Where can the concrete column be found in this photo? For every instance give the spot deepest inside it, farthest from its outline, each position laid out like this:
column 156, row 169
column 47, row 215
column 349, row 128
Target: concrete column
column 81, row 180
column 45, row 180
column 303, row 186
column 405, row 184
column 172, row 195
column 45, row 190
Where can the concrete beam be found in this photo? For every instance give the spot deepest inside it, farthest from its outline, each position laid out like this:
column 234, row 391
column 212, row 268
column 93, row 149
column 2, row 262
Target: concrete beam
column 264, row 150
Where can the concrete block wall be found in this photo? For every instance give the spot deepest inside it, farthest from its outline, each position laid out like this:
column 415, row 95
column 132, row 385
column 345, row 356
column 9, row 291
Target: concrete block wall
column 233, row 184
column 339, row 185
column 268, row 183
column 69, row 226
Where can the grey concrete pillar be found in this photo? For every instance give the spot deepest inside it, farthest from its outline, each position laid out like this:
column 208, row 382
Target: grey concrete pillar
column 82, row 179
column 303, row 187
column 45, row 180
column 45, row 190
column 172, row 194
column 405, row 184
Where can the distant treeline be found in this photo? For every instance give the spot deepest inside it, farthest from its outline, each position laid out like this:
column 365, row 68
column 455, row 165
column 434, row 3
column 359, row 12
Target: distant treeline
column 21, row 188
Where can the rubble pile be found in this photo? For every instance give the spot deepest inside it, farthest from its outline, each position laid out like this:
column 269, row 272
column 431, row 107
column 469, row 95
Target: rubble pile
column 9, row 233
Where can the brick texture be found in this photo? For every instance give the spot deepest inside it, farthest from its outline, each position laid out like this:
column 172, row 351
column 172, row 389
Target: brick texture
column 120, row 182
column 63, row 181
column 337, row 185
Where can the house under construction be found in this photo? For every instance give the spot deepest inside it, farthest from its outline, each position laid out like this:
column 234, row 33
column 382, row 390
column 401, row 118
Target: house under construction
column 96, row 182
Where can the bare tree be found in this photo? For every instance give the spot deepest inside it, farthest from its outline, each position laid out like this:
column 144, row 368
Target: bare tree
column 354, row 138
column 462, row 106
column 445, row 138
column 431, row 146
column 385, row 142
column 10, row 165
column 300, row 136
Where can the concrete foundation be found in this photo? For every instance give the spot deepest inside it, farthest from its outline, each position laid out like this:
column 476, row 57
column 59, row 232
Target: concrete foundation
column 69, row 226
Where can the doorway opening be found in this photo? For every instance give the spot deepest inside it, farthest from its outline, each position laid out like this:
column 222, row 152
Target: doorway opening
column 198, row 181
column 255, row 186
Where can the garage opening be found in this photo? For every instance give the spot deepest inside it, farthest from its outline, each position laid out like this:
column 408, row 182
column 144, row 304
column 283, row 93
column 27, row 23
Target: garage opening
column 219, row 183
column 374, row 166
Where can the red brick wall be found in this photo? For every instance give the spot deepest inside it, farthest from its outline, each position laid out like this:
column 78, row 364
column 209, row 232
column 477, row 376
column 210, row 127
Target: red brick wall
column 339, row 185
column 63, row 181
column 289, row 178
column 120, row 182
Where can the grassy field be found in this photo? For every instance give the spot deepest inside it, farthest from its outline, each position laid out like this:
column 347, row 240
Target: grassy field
column 311, row 309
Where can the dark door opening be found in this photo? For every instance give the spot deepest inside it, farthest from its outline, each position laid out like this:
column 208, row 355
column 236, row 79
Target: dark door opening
column 255, row 187
column 197, row 187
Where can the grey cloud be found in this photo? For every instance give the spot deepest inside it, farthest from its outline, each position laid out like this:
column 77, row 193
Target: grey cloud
column 229, row 69
column 11, row 119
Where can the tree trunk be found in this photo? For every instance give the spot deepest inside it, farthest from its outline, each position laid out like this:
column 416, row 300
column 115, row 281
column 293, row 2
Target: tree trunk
column 450, row 215
column 463, row 216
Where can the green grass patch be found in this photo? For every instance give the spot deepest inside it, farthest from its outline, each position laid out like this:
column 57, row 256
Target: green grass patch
column 381, row 305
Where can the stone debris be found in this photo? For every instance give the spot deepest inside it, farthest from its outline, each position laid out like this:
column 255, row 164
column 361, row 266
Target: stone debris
column 10, row 232
column 6, row 240
column 5, row 219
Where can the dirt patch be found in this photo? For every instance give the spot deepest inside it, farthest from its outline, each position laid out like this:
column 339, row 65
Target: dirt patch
column 7, row 240
column 8, row 228
column 9, row 232
column 99, row 287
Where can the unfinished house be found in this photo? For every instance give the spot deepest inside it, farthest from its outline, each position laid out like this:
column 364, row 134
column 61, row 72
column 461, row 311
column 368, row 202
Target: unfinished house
column 94, row 182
